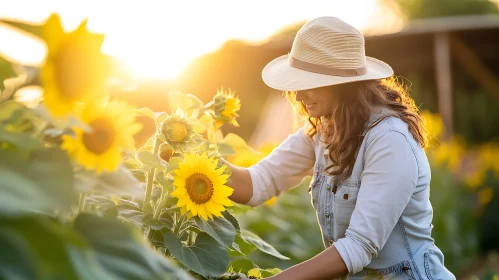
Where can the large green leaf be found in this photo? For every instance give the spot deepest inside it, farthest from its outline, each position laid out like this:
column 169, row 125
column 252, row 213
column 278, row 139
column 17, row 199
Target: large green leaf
column 42, row 182
column 261, row 245
column 121, row 182
column 151, row 160
column 122, row 250
column 21, row 140
column 207, row 256
column 219, row 228
column 37, row 247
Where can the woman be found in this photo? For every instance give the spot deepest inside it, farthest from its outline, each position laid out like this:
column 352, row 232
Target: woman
column 364, row 140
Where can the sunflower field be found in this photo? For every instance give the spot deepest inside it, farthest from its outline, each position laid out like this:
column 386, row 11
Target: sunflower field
column 78, row 200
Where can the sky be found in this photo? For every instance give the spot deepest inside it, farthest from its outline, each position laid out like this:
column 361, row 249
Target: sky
column 157, row 39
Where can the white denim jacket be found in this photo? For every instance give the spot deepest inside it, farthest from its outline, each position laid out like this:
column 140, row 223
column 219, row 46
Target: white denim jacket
column 379, row 219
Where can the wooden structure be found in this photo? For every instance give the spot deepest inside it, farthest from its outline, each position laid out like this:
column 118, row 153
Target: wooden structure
column 434, row 45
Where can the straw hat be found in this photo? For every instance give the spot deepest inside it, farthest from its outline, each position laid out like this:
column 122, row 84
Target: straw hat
column 326, row 51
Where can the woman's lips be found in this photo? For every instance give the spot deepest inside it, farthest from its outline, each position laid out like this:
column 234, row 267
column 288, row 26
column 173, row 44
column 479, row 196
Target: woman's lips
column 309, row 106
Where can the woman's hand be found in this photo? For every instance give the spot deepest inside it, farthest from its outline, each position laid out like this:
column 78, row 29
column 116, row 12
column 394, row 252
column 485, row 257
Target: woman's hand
column 326, row 265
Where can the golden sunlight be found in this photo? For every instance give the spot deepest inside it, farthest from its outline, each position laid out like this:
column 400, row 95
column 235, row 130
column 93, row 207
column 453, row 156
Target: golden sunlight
column 157, row 39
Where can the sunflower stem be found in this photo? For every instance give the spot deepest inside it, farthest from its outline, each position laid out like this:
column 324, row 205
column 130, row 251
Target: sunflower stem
column 81, row 203
column 190, row 238
column 150, row 176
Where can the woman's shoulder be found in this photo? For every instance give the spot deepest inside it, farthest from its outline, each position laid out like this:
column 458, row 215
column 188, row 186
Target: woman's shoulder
column 389, row 126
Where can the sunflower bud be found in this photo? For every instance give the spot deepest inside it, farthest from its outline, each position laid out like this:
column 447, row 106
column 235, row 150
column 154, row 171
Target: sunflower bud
column 178, row 131
column 166, row 152
column 225, row 108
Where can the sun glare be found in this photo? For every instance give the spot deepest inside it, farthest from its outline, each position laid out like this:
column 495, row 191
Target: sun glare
column 158, row 39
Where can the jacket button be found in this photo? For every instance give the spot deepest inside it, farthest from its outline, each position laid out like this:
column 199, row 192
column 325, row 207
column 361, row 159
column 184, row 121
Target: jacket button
column 327, row 215
column 328, row 188
column 335, row 188
column 345, row 196
column 331, row 242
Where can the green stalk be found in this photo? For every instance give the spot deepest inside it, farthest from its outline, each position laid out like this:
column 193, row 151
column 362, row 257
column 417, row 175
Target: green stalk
column 190, row 238
column 150, row 176
column 81, row 203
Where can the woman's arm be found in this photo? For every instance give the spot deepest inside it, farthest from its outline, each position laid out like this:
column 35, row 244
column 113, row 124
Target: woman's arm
column 282, row 169
column 241, row 183
column 326, row 265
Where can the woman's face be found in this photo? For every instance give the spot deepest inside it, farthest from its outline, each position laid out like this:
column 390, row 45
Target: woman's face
column 318, row 101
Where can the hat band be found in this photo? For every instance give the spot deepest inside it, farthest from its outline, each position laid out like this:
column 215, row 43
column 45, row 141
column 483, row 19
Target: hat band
column 321, row 69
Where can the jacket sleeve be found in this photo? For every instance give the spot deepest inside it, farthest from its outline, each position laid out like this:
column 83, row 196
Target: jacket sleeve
column 283, row 168
column 387, row 183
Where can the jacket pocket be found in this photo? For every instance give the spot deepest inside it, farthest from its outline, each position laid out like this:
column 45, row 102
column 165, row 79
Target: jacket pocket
column 345, row 199
column 434, row 265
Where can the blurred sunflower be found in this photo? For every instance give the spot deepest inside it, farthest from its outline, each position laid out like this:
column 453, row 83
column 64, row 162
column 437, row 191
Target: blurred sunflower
column 181, row 131
column 225, row 108
column 112, row 127
column 75, row 69
column 200, row 186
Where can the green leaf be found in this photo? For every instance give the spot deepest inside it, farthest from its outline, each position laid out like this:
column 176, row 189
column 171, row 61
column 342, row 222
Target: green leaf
column 152, row 160
column 173, row 164
column 121, row 182
column 225, row 149
column 39, row 246
column 196, row 102
column 22, row 141
column 242, row 265
column 145, row 112
column 132, row 214
column 42, row 182
column 270, row 272
column 160, row 117
column 6, row 71
column 231, row 219
column 122, row 250
column 241, row 246
column 33, row 29
column 207, row 256
column 179, row 100
column 219, row 228
column 261, row 245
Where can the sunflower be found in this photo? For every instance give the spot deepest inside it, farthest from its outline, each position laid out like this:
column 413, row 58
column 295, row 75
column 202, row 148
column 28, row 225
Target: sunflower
column 200, row 186
column 180, row 131
column 111, row 129
column 225, row 108
column 75, row 69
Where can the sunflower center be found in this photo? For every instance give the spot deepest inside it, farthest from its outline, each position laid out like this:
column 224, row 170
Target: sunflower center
column 178, row 132
column 199, row 187
column 100, row 138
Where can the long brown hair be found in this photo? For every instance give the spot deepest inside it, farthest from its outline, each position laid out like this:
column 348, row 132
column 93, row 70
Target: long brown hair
column 343, row 130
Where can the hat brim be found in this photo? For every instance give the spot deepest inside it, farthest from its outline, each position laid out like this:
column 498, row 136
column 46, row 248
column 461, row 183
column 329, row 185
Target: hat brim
column 279, row 75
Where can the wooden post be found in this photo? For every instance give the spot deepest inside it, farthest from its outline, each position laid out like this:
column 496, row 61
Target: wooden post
column 444, row 81
column 472, row 64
